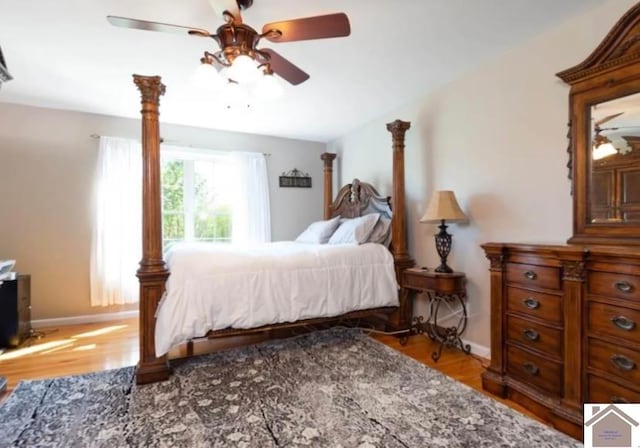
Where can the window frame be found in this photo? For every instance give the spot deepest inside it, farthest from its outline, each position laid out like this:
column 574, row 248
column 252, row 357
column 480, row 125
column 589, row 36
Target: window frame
column 189, row 157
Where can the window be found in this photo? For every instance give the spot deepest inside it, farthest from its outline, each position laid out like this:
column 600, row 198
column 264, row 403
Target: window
column 206, row 196
column 196, row 198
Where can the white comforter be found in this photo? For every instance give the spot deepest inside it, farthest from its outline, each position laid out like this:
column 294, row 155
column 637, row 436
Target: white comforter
column 214, row 286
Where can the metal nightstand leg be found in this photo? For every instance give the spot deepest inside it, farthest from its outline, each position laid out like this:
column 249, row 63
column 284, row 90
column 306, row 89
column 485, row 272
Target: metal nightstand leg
column 447, row 336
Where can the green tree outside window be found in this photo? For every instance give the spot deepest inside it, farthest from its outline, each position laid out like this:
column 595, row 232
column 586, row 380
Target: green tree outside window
column 191, row 206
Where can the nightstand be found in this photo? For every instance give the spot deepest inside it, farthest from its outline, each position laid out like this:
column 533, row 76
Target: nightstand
column 439, row 288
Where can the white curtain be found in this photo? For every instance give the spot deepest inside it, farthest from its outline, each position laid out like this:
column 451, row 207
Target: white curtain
column 251, row 209
column 116, row 246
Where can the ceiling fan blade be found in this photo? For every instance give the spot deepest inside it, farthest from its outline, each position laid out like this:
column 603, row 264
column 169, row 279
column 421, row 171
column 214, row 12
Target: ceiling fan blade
column 126, row 22
column 318, row 27
column 607, row 118
column 283, row 67
column 220, row 6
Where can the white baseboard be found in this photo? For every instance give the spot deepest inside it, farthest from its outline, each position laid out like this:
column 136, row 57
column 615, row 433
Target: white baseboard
column 86, row 319
column 479, row 350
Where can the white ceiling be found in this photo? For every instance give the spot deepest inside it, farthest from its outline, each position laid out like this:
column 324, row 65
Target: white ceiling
column 64, row 54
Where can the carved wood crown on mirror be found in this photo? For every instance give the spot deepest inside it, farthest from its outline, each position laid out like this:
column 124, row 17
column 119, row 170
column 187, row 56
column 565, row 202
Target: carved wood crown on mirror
column 565, row 319
column 605, row 114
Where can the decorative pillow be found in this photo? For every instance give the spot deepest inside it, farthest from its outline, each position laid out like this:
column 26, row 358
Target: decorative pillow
column 355, row 231
column 319, row 232
column 381, row 231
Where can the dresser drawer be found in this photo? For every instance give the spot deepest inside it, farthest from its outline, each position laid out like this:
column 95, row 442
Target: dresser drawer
column 536, row 304
column 614, row 285
column 614, row 321
column 601, row 390
column 620, row 361
column 535, row 370
column 532, row 275
column 533, row 335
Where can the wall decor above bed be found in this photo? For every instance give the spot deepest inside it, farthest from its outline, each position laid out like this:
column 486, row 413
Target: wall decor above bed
column 295, row 178
column 4, row 71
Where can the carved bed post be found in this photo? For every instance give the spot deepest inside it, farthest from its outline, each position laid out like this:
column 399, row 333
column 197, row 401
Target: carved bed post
column 401, row 319
column 153, row 272
column 328, row 182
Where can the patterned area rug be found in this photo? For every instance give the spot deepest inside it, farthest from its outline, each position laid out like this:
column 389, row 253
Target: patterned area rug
column 335, row 388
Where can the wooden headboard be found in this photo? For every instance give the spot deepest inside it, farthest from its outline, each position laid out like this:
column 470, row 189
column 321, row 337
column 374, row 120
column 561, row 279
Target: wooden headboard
column 359, row 199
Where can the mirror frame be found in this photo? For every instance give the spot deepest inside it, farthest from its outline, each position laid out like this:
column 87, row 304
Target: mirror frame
column 611, row 71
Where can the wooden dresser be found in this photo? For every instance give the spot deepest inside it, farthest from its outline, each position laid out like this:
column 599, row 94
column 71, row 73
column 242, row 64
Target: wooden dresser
column 564, row 328
column 565, row 318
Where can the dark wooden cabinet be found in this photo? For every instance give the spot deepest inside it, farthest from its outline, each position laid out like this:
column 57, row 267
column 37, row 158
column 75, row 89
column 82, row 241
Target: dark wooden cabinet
column 15, row 310
column 565, row 328
column 615, row 187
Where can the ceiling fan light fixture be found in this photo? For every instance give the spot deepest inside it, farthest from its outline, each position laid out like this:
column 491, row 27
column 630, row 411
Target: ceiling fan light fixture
column 206, row 76
column 243, row 70
column 238, row 51
column 268, row 87
column 604, row 150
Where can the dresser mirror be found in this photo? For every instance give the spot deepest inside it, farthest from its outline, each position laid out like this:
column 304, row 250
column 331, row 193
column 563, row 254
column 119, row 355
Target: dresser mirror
column 614, row 180
column 604, row 136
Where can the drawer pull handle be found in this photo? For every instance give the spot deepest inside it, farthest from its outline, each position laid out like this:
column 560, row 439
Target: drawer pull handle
column 622, row 362
column 623, row 286
column 531, row 303
column 530, row 334
column 617, row 399
column 623, row 323
column 530, row 275
column 530, row 368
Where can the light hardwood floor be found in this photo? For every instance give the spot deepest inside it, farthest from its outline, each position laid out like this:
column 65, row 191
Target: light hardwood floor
column 87, row 348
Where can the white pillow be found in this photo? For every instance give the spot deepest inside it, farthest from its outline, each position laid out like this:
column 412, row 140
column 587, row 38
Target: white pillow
column 380, row 232
column 319, row 232
column 355, row 231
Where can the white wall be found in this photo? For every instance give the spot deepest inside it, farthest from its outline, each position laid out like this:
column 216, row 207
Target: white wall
column 47, row 162
column 497, row 137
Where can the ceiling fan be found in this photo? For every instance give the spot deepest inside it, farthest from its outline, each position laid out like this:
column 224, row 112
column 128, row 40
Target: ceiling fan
column 598, row 138
column 238, row 42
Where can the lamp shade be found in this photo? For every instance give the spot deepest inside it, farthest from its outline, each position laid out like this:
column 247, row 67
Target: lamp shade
column 268, row 87
column 243, row 70
column 206, row 77
column 443, row 206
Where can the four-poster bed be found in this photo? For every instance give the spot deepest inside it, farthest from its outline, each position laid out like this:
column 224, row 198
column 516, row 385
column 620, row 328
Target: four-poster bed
column 353, row 200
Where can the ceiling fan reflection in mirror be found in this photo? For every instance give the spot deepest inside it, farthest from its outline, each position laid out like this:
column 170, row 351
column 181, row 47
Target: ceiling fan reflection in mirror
column 238, row 60
column 602, row 146
column 613, row 139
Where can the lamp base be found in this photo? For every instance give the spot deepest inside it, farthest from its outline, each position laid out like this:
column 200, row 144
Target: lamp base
column 443, row 245
column 444, row 268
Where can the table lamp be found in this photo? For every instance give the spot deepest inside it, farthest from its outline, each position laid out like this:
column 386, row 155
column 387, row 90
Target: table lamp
column 443, row 207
